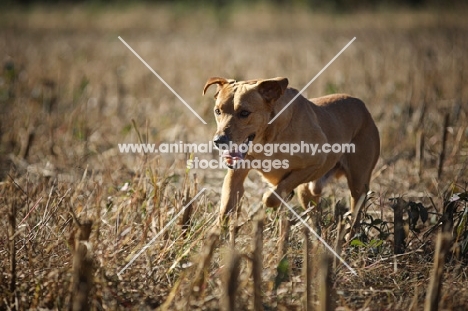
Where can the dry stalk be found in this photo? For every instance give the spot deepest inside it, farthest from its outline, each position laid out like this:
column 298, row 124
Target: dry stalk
column 459, row 141
column 340, row 210
column 26, row 145
column 420, row 151
column 185, row 220
column 233, row 229
column 257, row 260
column 399, row 228
column 165, row 306
column 231, row 281
column 435, row 285
column 316, row 249
column 189, row 193
column 325, row 283
column 307, row 271
column 199, row 282
column 82, row 265
column 82, row 278
column 195, row 186
column 233, row 223
column 447, row 217
column 414, row 304
column 444, row 143
column 12, row 236
column 284, row 235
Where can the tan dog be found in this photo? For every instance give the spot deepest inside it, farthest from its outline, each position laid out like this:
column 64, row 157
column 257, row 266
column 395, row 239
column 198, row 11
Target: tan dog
column 243, row 110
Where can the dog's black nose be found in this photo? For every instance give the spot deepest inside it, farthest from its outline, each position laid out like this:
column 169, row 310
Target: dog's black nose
column 221, row 141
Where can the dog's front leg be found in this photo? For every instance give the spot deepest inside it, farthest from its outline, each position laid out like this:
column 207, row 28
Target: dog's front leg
column 233, row 190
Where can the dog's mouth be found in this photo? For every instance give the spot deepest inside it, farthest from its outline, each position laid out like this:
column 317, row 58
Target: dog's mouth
column 235, row 155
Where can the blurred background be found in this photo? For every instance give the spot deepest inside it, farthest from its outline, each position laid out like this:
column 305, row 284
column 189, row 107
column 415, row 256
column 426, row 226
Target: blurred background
column 70, row 88
column 71, row 91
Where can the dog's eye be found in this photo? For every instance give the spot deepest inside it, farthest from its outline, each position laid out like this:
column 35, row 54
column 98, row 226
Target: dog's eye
column 217, row 111
column 244, row 113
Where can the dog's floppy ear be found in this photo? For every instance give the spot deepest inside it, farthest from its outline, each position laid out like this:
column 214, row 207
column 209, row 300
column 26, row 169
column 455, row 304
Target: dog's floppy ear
column 272, row 89
column 214, row 80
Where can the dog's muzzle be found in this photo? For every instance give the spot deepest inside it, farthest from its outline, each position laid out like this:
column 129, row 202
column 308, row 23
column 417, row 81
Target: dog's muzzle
column 231, row 153
column 220, row 140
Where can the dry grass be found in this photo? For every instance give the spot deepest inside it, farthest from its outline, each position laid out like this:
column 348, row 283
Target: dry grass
column 69, row 90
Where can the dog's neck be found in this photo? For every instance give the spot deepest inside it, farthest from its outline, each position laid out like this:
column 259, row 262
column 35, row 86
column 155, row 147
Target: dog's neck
column 281, row 123
column 285, row 100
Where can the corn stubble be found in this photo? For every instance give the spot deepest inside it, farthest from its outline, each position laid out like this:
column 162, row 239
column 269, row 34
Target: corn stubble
column 77, row 211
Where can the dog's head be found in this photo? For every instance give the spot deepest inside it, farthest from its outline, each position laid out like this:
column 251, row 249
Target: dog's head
column 242, row 111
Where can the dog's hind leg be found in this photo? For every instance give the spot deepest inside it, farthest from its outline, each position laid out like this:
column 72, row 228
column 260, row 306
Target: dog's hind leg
column 358, row 183
column 305, row 196
column 358, row 168
column 284, row 188
column 309, row 193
